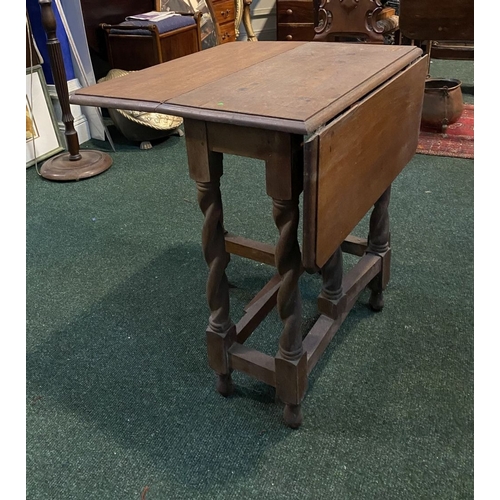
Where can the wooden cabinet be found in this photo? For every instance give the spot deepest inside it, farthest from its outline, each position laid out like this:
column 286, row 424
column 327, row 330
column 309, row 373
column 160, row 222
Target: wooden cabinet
column 223, row 13
column 295, row 20
column 96, row 12
column 130, row 49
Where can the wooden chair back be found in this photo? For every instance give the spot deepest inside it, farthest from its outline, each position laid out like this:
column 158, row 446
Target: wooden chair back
column 350, row 19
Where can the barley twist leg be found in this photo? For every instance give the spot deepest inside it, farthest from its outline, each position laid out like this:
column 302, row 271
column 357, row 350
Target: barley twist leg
column 214, row 251
column 289, row 306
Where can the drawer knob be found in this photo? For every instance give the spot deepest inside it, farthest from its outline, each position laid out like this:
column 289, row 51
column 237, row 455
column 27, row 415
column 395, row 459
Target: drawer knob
column 289, row 12
column 289, row 37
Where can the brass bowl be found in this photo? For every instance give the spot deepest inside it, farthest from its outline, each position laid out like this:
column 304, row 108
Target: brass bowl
column 443, row 103
column 142, row 126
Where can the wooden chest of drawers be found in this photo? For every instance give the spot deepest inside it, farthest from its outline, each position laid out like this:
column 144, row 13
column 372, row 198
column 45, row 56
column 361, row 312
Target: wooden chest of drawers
column 295, row 20
column 223, row 13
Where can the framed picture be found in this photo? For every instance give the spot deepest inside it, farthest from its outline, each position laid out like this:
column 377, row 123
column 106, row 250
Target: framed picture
column 43, row 138
column 207, row 25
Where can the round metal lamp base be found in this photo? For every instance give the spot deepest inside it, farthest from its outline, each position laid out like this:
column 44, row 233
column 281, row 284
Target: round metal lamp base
column 61, row 168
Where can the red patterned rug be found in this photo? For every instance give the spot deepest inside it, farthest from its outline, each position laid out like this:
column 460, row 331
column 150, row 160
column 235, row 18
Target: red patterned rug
column 458, row 141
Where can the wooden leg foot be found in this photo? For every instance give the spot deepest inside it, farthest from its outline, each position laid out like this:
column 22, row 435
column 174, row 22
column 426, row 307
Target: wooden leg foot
column 293, row 416
column 225, row 384
column 378, row 244
column 376, row 301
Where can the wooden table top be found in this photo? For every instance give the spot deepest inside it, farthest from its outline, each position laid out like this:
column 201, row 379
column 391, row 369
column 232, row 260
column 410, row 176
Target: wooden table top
column 287, row 86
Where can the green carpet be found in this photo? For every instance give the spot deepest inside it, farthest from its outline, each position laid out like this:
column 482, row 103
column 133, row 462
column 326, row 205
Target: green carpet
column 120, row 399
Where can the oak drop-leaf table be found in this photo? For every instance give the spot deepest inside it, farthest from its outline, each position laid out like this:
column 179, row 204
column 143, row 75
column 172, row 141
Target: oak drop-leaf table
column 335, row 121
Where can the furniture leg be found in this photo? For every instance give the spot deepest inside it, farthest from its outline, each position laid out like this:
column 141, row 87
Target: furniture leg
column 428, row 49
column 291, row 360
column 221, row 331
column 332, row 300
column 247, row 21
column 378, row 244
column 76, row 164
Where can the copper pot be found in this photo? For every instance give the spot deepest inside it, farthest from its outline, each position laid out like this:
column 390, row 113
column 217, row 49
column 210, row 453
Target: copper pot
column 443, row 103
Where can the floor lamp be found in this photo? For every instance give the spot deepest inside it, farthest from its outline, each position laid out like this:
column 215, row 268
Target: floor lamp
column 74, row 164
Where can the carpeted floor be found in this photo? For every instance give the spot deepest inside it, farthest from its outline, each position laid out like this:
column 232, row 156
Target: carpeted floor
column 457, row 141
column 120, row 400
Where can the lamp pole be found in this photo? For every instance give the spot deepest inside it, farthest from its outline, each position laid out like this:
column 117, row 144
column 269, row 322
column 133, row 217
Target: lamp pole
column 74, row 164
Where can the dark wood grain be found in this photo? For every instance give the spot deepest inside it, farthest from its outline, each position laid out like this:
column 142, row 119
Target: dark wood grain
column 294, row 11
column 379, row 236
column 199, row 159
column 131, row 52
column 294, row 20
column 363, row 103
column 332, row 291
column 96, row 12
column 164, row 82
column 254, row 250
column 295, row 32
column 354, row 245
column 264, row 85
column 252, row 362
column 255, row 90
column 310, row 204
column 281, row 152
column 255, row 313
column 442, row 20
column 275, row 280
column 387, row 124
column 49, row 24
column 354, row 19
column 326, row 327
